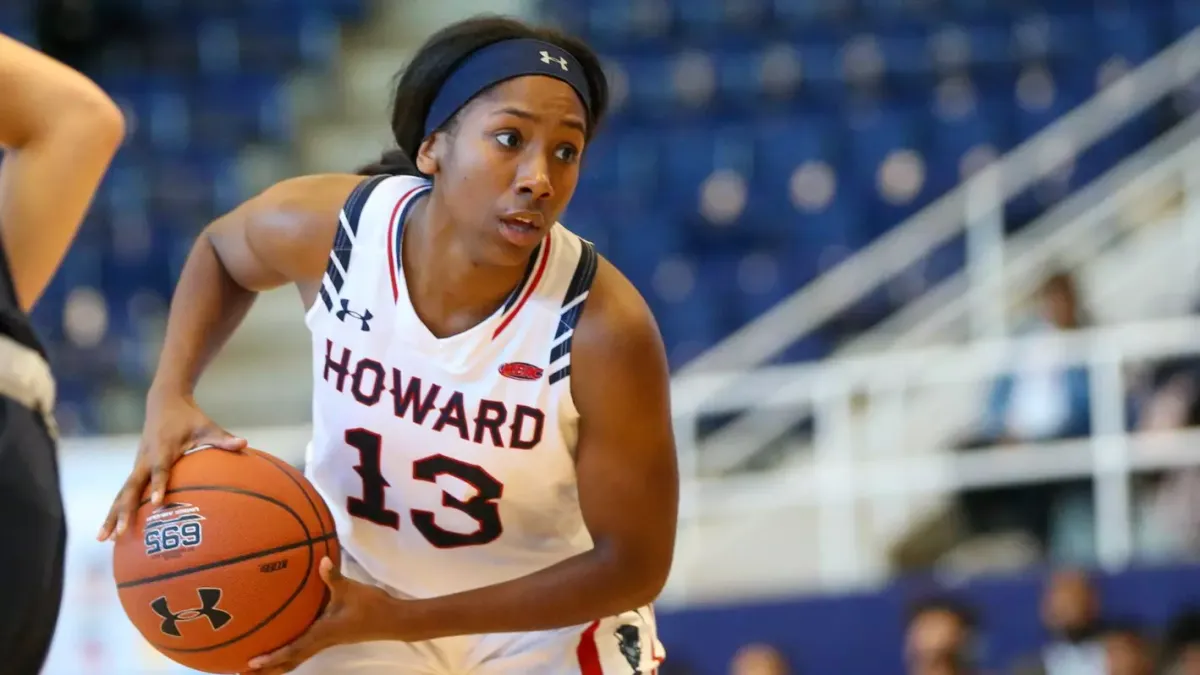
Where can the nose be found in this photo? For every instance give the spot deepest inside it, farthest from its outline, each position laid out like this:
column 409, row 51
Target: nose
column 533, row 178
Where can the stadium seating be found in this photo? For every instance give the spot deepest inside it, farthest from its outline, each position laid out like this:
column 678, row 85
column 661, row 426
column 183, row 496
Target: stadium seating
column 810, row 128
column 205, row 81
column 754, row 143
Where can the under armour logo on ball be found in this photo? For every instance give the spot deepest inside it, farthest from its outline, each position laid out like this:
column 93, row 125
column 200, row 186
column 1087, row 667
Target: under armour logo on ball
column 546, row 58
column 209, row 597
column 365, row 317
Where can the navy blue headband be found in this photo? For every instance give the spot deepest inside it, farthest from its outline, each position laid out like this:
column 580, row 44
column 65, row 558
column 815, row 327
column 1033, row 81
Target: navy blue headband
column 502, row 61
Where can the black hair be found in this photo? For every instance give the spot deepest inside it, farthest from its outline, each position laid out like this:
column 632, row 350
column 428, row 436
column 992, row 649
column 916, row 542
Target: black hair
column 1183, row 632
column 419, row 83
column 1125, row 627
column 960, row 610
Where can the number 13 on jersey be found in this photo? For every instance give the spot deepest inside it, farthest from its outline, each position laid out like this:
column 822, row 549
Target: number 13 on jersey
column 372, row 506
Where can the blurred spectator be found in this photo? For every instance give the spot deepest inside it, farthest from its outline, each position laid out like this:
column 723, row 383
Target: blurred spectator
column 77, row 32
column 1127, row 650
column 1173, row 513
column 759, row 659
column 1038, row 402
column 1071, row 617
column 941, row 638
column 1181, row 644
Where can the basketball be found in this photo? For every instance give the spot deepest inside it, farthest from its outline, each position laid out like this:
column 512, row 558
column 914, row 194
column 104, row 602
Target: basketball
column 226, row 568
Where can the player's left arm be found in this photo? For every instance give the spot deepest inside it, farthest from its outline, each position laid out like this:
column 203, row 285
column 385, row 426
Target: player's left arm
column 628, row 485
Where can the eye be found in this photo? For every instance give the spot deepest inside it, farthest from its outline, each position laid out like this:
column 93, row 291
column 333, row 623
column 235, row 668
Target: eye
column 567, row 153
column 509, row 139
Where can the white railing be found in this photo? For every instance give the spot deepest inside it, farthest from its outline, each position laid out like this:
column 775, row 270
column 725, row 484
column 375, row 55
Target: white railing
column 846, row 475
column 1071, row 233
column 845, row 472
column 971, row 208
column 1067, row 236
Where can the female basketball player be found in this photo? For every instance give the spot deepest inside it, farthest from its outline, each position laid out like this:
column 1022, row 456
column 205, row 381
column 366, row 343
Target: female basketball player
column 491, row 421
column 59, row 132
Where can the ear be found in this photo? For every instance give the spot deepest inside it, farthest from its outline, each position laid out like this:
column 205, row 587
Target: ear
column 430, row 153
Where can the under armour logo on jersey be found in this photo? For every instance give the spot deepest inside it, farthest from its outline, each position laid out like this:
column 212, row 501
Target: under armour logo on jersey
column 365, row 317
column 209, row 597
column 546, row 58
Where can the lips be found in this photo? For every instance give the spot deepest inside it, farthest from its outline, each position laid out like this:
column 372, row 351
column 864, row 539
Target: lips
column 522, row 229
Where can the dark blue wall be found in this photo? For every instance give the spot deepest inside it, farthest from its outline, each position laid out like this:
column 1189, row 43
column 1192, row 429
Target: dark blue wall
column 861, row 633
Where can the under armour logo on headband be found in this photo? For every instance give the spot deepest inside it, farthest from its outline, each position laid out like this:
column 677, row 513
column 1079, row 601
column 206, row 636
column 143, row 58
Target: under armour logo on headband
column 546, row 58
column 500, row 62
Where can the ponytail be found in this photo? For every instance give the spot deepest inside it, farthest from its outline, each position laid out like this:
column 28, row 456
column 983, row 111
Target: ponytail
column 394, row 162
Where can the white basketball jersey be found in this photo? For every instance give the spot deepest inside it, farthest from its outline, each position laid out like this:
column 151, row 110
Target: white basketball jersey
column 448, row 463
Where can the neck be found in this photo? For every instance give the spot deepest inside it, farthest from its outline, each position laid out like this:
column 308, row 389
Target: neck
column 446, row 282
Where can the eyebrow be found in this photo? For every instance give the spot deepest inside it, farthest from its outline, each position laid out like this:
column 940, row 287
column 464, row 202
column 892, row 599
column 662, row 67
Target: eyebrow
column 570, row 122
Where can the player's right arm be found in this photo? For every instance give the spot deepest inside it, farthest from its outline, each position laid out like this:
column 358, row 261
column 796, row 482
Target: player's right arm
column 281, row 236
column 60, row 132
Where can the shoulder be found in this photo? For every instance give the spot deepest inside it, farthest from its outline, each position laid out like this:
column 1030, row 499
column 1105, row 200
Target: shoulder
column 615, row 307
column 285, row 232
column 291, row 211
column 617, row 331
column 313, row 193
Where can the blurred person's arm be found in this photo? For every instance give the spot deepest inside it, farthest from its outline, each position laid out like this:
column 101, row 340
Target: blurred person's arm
column 59, row 132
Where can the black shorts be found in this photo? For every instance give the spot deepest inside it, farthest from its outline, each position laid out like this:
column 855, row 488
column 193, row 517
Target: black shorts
column 32, row 539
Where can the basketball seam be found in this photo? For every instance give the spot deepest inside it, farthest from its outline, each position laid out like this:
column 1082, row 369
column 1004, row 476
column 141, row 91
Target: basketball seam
column 279, row 465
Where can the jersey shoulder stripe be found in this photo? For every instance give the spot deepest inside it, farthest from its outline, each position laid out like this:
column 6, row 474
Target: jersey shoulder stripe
column 341, row 255
column 572, row 309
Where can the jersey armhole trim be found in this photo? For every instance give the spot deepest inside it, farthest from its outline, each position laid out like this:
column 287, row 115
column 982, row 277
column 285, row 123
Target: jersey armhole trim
column 395, row 234
column 532, row 285
column 572, row 308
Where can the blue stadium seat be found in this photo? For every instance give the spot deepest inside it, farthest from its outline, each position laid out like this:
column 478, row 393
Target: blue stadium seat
column 1043, row 37
column 1185, row 17
column 691, row 156
column 1132, row 35
column 967, row 131
column 808, row 17
column 681, row 295
column 640, row 240
column 886, row 163
column 240, row 109
column 978, row 46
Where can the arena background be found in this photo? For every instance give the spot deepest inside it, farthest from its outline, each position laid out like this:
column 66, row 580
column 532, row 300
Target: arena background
column 926, row 270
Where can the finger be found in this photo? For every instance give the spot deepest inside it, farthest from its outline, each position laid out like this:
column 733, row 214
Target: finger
column 281, row 669
column 330, row 574
column 124, row 505
column 160, row 475
column 287, row 657
column 220, row 439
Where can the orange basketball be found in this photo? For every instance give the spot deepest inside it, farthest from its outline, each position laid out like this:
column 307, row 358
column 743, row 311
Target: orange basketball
column 226, row 568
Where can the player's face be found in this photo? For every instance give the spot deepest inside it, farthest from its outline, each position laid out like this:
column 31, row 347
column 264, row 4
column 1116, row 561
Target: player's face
column 511, row 165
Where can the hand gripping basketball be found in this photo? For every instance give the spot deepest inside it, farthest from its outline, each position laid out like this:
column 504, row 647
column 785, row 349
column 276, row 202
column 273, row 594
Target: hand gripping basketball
column 356, row 612
column 172, row 428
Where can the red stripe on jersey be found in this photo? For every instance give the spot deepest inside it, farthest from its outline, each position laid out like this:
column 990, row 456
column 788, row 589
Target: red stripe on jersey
column 391, row 242
column 537, row 276
column 588, row 652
